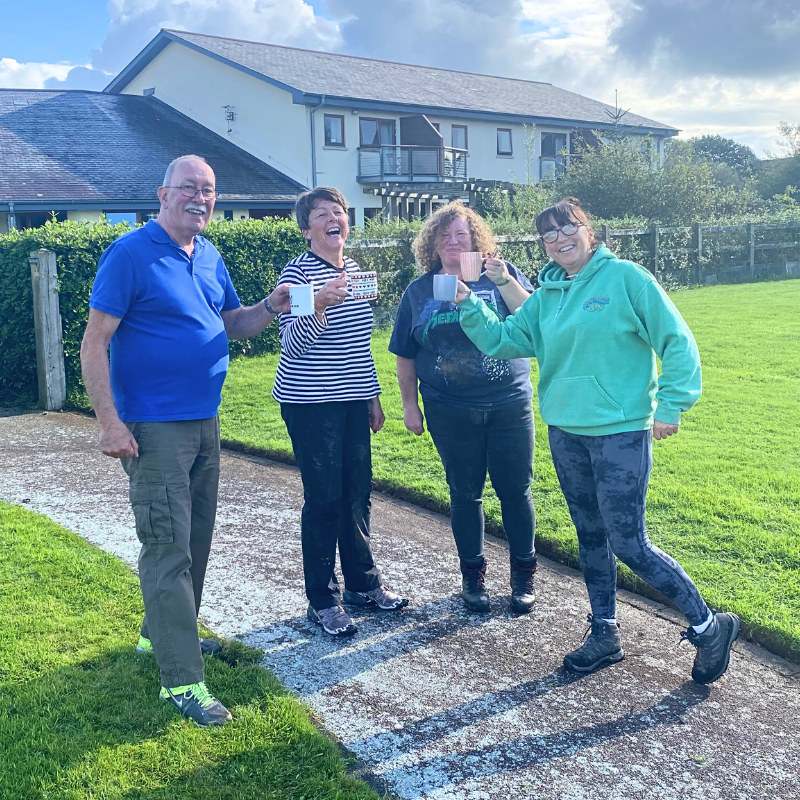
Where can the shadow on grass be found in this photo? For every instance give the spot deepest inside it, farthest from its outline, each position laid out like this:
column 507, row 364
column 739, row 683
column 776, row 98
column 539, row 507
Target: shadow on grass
column 64, row 718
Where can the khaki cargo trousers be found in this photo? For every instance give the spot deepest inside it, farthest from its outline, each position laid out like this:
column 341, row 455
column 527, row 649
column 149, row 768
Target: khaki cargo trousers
column 173, row 492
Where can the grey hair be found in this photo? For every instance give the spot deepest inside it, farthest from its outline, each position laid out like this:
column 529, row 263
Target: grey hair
column 174, row 163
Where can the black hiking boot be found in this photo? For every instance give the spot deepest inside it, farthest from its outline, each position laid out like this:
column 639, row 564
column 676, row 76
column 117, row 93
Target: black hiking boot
column 523, row 592
column 604, row 646
column 473, row 588
column 713, row 647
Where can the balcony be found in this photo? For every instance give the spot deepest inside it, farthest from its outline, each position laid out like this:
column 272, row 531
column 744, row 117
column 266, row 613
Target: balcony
column 407, row 163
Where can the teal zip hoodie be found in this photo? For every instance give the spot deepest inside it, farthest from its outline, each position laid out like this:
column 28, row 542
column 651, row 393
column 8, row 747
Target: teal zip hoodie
column 596, row 338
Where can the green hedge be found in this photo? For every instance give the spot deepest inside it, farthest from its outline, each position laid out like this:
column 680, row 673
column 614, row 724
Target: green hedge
column 254, row 251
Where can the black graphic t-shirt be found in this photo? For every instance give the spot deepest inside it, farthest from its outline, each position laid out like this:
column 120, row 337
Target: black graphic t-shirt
column 449, row 366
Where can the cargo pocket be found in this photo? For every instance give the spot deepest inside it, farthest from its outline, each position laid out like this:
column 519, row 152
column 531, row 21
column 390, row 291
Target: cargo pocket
column 151, row 511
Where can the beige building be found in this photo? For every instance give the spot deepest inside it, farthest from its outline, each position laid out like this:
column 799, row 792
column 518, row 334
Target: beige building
column 392, row 137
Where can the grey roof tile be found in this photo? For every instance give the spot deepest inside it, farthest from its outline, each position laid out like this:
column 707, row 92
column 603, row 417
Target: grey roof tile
column 75, row 145
column 351, row 77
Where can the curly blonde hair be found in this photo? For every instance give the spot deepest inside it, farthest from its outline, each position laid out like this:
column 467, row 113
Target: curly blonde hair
column 426, row 242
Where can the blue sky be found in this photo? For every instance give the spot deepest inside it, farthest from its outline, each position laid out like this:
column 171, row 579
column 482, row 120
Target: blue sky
column 676, row 61
column 45, row 31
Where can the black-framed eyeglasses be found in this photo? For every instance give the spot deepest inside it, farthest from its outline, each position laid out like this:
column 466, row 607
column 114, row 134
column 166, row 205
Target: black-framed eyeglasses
column 187, row 190
column 570, row 229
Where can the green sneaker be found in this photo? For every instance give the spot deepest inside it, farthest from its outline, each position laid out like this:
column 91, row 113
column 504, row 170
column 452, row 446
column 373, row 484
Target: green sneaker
column 196, row 703
column 208, row 647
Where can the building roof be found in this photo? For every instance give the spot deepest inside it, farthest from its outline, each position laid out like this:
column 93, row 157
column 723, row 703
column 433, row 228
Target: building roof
column 90, row 150
column 309, row 74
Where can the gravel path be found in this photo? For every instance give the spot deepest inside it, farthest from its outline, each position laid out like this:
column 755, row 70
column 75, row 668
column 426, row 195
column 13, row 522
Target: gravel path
column 434, row 702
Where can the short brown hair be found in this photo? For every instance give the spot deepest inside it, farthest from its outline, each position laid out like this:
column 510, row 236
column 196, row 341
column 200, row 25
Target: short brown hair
column 306, row 202
column 426, row 242
column 565, row 211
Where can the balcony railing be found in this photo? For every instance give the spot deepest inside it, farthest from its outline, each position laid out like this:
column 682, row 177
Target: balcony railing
column 404, row 162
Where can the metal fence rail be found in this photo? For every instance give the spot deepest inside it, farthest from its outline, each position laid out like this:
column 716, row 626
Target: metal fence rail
column 677, row 256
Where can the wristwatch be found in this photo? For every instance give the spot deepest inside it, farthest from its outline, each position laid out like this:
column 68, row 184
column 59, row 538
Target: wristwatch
column 269, row 308
column 507, row 280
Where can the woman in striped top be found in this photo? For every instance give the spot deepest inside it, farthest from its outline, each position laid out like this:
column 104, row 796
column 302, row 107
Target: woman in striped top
column 329, row 394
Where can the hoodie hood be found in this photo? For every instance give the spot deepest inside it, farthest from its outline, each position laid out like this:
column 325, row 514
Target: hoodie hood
column 554, row 276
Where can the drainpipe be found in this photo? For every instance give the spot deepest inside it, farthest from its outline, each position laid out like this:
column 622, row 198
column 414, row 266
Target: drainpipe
column 314, row 142
column 12, row 220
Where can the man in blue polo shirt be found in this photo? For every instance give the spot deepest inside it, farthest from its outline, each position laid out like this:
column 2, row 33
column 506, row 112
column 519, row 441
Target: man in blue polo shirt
column 165, row 303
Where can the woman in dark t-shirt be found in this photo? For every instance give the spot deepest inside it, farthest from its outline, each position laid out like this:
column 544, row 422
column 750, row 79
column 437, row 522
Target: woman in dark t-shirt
column 478, row 408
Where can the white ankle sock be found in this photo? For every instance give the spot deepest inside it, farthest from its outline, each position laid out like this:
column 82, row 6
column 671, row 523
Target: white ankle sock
column 611, row 621
column 704, row 625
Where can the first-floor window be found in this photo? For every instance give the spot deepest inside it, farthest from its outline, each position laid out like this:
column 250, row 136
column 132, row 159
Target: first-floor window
column 504, row 142
column 334, row 130
column 460, row 136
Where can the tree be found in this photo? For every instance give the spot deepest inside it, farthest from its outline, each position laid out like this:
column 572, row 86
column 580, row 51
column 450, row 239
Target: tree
column 789, row 143
column 721, row 150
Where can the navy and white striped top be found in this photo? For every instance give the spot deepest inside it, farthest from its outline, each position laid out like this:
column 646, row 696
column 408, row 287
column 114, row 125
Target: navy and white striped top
column 325, row 361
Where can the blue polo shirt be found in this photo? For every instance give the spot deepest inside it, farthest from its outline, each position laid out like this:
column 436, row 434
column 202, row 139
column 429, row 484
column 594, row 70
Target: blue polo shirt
column 169, row 355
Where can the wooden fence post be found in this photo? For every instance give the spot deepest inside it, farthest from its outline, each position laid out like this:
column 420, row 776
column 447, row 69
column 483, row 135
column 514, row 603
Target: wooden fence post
column 606, row 235
column 47, row 324
column 698, row 236
column 655, row 251
column 751, row 240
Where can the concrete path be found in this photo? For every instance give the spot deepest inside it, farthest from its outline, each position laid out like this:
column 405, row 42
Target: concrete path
column 434, row 702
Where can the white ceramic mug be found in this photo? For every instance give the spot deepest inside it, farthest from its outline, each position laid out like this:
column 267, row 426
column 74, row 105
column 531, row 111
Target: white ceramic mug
column 363, row 285
column 445, row 287
column 471, row 266
column 301, row 299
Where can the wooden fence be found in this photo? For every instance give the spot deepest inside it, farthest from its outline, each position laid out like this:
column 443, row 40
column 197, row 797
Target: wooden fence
column 677, row 256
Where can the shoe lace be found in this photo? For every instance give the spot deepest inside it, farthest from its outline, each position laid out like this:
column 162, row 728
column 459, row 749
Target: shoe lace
column 590, row 620
column 201, row 694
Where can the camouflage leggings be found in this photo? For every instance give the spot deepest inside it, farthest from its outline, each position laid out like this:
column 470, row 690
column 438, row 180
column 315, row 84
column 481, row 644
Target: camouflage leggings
column 604, row 480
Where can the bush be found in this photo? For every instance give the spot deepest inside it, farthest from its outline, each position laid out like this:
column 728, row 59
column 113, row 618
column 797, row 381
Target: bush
column 254, row 252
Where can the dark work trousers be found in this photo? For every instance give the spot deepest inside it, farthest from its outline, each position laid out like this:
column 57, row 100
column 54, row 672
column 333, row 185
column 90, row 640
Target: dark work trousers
column 471, row 441
column 604, row 480
column 173, row 492
column 332, row 447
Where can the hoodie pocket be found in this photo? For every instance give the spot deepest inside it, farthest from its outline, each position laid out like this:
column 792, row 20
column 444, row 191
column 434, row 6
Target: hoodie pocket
column 579, row 403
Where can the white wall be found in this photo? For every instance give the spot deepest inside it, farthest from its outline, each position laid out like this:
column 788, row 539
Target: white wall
column 267, row 124
column 275, row 130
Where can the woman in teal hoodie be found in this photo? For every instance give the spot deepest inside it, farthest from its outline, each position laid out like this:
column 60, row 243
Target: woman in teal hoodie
column 596, row 326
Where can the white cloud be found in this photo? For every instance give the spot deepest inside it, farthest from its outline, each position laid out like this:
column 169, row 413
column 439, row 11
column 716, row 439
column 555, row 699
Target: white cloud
column 575, row 51
column 30, row 75
column 287, row 22
column 570, row 44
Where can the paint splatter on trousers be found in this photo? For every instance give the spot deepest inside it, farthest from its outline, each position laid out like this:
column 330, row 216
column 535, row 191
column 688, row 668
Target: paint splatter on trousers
column 604, row 480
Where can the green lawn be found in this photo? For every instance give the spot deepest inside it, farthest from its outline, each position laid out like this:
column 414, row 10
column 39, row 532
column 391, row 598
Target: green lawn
column 725, row 492
column 79, row 712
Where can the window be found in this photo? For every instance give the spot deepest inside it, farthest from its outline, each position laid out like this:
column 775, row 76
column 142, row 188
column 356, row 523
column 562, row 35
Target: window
column 504, row 142
column 371, row 213
column 334, row 130
column 351, row 217
column 459, row 137
column 553, row 144
column 376, row 132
